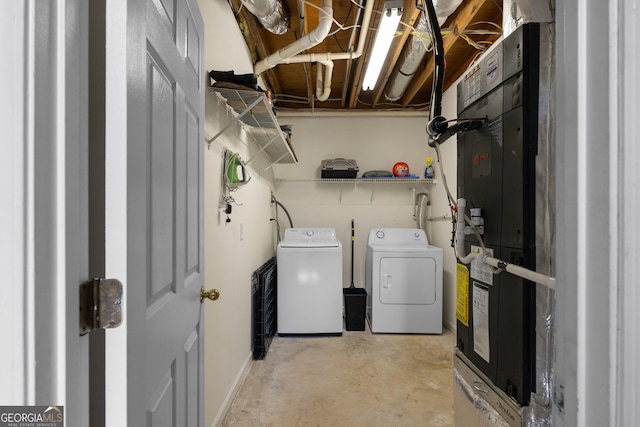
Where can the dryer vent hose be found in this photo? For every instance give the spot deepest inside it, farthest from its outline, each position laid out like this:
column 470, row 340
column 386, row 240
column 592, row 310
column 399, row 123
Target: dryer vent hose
column 422, row 205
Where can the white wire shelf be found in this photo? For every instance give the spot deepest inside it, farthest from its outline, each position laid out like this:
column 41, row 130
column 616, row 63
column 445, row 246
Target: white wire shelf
column 363, row 180
column 347, row 185
column 254, row 110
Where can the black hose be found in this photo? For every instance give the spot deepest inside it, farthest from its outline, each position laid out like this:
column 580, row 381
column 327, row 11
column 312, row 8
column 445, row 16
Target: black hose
column 438, row 59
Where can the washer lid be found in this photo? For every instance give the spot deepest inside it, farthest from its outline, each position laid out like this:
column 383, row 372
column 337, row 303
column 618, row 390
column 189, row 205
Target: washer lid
column 310, row 238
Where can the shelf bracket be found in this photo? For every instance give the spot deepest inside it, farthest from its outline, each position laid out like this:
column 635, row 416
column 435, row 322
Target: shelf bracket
column 235, row 119
column 276, row 161
column 263, row 148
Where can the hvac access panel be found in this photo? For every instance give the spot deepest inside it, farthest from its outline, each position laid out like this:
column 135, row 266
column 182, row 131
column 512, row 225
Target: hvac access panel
column 496, row 171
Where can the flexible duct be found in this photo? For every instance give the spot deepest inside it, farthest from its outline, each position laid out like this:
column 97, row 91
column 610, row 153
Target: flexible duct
column 291, row 53
column 270, row 13
column 416, row 50
column 421, row 208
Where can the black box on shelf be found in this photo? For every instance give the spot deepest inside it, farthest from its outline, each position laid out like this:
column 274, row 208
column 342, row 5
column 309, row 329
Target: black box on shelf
column 339, row 168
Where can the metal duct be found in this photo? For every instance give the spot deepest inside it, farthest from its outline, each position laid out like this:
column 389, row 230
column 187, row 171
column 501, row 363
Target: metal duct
column 270, row 13
column 416, row 50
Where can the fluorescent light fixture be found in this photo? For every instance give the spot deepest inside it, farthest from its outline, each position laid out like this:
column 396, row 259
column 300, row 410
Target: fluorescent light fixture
column 384, row 37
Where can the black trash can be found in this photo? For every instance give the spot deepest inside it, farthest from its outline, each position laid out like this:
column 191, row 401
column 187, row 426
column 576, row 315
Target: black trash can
column 355, row 307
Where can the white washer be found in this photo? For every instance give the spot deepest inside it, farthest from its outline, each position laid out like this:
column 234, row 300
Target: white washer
column 403, row 279
column 310, row 282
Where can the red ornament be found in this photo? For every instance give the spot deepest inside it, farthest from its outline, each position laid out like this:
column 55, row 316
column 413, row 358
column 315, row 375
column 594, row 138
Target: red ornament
column 401, row 169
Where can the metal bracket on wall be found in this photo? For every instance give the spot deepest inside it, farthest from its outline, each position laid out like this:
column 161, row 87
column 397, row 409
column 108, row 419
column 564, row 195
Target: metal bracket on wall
column 100, row 304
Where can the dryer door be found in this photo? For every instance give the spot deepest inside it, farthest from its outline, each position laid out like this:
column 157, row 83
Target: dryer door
column 407, row 280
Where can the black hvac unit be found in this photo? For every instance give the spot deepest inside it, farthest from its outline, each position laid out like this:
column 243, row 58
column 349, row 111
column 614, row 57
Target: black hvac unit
column 496, row 172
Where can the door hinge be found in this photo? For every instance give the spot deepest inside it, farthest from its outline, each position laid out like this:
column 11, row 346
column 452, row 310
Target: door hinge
column 100, row 304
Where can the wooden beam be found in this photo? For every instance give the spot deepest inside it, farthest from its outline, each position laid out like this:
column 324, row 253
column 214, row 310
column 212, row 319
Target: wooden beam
column 409, row 16
column 465, row 16
column 358, row 75
column 252, row 32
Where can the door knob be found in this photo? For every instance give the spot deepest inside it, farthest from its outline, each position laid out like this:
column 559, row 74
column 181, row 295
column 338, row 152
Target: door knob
column 212, row 294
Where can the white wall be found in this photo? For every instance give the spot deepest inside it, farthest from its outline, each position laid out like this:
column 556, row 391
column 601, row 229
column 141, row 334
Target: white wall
column 230, row 255
column 375, row 143
column 441, row 233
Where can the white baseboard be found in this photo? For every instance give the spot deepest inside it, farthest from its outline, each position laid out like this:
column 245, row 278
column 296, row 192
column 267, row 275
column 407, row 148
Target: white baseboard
column 450, row 325
column 224, row 408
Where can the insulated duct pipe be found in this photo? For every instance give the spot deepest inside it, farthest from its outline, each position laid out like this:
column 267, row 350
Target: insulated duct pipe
column 413, row 55
column 309, row 40
column 516, row 270
column 291, row 54
column 270, row 13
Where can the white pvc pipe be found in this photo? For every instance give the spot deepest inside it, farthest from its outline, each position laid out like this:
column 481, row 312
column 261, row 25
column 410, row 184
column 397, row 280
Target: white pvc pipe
column 516, row 270
column 323, row 90
column 309, row 40
column 519, row 271
column 291, row 54
column 466, row 259
column 364, row 29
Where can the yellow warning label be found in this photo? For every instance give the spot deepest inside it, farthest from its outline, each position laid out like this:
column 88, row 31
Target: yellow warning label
column 462, row 294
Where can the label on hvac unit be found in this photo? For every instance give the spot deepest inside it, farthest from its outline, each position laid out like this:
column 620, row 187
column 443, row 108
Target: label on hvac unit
column 481, row 320
column 479, row 270
column 462, row 294
column 493, row 68
column 471, row 85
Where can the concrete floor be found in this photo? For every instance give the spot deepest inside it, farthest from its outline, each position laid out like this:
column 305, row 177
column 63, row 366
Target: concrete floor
column 358, row 379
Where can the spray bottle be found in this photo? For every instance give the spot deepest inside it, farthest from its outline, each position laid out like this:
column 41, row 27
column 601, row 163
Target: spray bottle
column 429, row 172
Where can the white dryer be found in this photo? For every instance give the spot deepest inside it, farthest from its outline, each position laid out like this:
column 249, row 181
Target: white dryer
column 309, row 282
column 403, row 279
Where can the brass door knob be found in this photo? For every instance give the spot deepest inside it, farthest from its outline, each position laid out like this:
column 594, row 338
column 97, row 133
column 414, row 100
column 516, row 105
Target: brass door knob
column 212, row 294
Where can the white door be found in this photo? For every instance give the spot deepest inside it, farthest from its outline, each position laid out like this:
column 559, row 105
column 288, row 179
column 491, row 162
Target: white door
column 43, row 224
column 154, row 211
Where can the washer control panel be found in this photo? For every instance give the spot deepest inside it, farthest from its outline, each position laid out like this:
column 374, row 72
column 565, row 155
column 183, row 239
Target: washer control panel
column 310, row 237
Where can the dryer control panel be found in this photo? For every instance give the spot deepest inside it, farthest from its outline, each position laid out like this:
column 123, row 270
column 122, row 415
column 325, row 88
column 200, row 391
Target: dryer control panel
column 396, row 236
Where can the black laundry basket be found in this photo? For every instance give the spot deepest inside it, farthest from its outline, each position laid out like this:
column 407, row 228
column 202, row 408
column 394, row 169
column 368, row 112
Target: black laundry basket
column 355, row 305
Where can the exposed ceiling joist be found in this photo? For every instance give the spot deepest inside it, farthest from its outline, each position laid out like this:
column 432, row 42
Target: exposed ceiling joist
column 464, row 16
column 409, row 16
column 294, row 83
column 252, row 33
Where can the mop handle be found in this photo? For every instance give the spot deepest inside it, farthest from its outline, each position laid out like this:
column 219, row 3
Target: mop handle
column 353, row 238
